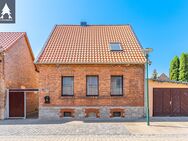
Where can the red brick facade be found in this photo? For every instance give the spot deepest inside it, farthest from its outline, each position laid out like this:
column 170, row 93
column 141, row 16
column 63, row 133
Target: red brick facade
column 50, row 84
column 17, row 70
column 93, row 54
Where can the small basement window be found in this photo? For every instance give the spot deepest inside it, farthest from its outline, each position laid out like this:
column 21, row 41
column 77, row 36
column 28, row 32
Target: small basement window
column 67, row 114
column 115, row 47
column 92, row 114
column 116, row 114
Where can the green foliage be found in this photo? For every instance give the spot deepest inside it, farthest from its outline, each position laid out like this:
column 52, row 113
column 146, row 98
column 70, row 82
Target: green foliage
column 183, row 69
column 154, row 74
column 174, row 69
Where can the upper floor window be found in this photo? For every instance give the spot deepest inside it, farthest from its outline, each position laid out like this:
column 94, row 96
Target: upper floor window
column 116, row 85
column 92, row 85
column 115, row 47
column 67, row 86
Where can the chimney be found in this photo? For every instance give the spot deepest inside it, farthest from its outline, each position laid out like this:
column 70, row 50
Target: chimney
column 83, row 23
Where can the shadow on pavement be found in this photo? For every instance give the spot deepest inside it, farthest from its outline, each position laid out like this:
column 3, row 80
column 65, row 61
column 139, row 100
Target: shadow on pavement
column 90, row 120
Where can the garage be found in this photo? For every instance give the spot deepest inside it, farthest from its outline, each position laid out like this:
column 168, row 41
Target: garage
column 170, row 101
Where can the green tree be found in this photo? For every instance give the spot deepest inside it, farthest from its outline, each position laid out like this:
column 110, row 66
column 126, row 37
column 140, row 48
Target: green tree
column 174, row 68
column 183, row 69
column 154, row 74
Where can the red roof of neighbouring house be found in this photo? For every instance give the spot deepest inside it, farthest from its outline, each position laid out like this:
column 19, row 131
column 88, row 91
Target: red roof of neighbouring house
column 7, row 39
column 75, row 44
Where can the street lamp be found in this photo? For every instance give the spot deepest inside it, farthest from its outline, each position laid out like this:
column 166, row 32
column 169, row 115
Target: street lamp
column 148, row 62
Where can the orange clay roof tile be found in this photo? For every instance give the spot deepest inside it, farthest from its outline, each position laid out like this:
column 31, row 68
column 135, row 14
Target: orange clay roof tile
column 75, row 44
column 9, row 38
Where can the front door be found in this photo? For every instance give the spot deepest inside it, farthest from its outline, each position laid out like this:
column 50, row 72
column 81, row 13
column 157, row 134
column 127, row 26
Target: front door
column 16, row 104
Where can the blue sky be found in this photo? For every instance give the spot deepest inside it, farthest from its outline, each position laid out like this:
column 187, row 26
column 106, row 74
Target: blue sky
column 159, row 24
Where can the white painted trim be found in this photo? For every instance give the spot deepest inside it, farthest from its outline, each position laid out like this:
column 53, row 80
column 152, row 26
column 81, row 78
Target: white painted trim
column 7, row 104
column 25, row 105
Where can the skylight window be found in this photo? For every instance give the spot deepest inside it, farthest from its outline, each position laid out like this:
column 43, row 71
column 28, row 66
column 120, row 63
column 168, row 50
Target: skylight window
column 115, row 47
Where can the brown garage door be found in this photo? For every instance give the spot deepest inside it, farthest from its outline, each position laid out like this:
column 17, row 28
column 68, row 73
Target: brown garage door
column 16, row 104
column 170, row 102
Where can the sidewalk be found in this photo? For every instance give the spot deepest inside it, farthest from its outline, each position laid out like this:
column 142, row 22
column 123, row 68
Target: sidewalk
column 167, row 129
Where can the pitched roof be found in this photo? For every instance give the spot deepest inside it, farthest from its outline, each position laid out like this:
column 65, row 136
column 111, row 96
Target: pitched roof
column 7, row 39
column 163, row 77
column 75, row 44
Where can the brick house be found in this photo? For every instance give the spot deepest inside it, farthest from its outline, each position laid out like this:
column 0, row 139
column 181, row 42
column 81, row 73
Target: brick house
column 17, row 76
column 91, row 71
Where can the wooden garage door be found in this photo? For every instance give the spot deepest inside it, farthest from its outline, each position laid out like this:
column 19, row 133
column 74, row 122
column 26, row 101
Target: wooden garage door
column 170, row 102
column 16, row 104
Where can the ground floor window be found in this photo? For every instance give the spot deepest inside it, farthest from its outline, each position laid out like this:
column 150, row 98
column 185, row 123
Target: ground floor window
column 67, row 86
column 92, row 85
column 116, row 85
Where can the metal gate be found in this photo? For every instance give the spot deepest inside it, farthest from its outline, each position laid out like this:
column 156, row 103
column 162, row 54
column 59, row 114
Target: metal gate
column 170, row 102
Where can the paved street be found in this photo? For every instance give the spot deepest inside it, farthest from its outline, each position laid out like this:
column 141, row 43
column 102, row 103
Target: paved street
column 94, row 130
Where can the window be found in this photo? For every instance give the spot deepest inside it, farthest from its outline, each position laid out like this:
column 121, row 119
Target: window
column 115, row 47
column 67, row 86
column 92, row 114
column 67, row 114
column 116, row 114
column 92, row 85
column 116, row 85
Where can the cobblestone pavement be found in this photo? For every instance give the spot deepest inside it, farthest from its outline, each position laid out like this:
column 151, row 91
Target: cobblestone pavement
column 36, row 130
column 90, row 138
column 64, row 129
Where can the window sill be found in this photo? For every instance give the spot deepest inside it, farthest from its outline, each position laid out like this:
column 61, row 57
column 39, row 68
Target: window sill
column 95, row 97
column 66, row 96
column 92, row 95
column 117, row 95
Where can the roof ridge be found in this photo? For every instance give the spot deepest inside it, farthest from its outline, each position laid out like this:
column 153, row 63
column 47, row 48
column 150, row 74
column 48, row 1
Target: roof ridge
column 94, row 24
column 13, row 32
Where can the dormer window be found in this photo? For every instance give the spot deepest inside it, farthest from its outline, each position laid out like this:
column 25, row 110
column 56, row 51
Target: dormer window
column 115, row 46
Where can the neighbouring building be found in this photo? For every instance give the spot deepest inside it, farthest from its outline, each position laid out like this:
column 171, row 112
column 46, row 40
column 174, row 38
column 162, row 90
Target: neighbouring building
column 91, row 71
column 168, row 97
column 18, row 76
column 163, row 77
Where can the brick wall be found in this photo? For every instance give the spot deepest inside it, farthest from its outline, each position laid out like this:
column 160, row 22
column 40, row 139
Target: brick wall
column 2, row 88
column 19, row 67
column 19, row 71
column 32, row 102
column 133, row 85
column 1, row 66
